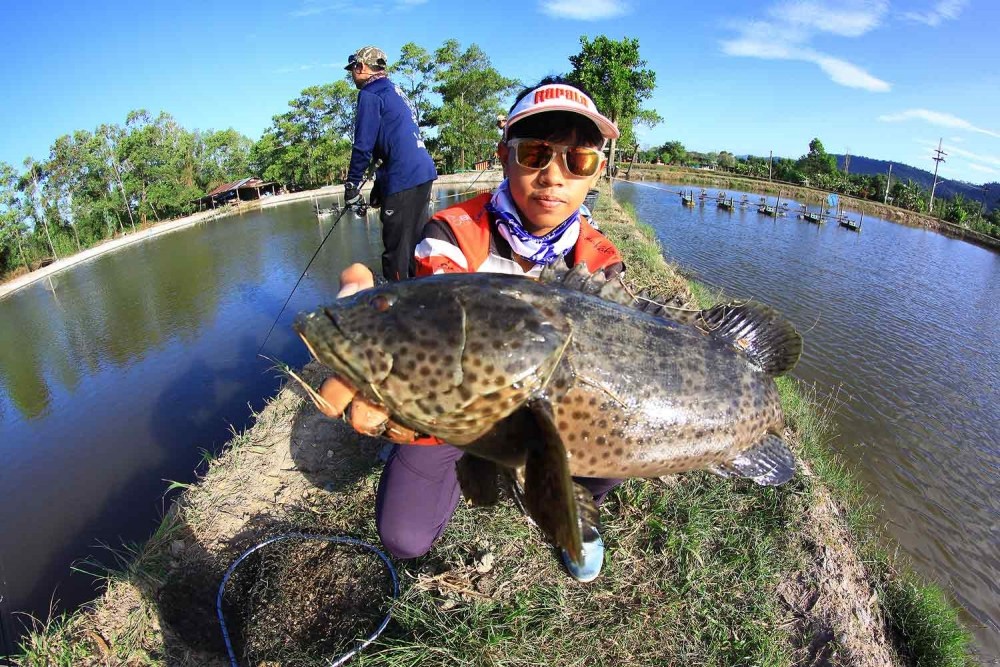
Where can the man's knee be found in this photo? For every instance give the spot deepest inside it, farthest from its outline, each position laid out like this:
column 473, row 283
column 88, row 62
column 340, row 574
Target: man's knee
column 402, row 540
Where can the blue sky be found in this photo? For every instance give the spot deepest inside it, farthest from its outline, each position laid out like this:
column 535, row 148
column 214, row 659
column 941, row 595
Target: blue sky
column 872, row 77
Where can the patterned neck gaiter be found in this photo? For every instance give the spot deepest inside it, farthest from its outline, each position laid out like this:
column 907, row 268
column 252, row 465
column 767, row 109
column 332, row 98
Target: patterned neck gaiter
column 539, row 249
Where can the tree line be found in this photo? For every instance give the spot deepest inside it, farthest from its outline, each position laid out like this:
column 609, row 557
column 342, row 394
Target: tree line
column 818, row 169
column 98, row 184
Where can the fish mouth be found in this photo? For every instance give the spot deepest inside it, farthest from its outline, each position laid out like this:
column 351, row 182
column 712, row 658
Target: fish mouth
column 328, row 342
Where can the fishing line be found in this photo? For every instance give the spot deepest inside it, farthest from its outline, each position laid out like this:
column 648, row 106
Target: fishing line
column 316, row 538
column 305, row 270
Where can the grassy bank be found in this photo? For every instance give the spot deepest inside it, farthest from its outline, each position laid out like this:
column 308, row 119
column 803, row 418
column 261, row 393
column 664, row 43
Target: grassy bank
column 700, row 570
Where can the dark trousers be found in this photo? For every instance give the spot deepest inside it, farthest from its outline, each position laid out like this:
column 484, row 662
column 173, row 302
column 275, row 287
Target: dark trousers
column 403, row 217
column 418, row 493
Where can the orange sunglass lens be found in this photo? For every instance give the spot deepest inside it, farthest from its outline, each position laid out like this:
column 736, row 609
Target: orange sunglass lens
column 534, row 155
column 582, row 162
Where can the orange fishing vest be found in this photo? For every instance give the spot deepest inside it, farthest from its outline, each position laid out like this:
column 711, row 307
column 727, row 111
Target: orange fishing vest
column 470, row 223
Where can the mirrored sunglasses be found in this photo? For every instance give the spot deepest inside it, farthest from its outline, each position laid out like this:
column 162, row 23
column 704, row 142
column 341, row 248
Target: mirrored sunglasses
column 537, row 154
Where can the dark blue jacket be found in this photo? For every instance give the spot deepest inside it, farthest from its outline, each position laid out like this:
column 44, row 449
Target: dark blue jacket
column 386, row 129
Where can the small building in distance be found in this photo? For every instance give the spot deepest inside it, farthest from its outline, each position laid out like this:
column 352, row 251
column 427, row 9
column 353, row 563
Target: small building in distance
column 246, row 189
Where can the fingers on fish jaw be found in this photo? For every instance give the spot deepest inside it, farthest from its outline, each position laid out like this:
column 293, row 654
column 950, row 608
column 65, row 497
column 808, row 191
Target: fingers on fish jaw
column 769, row 463
column 317, row 398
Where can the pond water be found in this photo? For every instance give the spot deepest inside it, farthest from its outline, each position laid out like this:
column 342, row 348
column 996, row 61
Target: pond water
column 115, row 375
column 902, row 332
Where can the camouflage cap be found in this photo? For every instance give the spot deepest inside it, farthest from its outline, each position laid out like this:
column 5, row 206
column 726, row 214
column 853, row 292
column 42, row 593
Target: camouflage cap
column 367, row 55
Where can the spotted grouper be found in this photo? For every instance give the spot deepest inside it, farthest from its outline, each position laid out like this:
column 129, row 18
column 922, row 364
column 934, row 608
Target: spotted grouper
column 567, row 375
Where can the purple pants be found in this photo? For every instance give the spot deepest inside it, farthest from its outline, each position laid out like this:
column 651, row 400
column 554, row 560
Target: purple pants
column 418, row 493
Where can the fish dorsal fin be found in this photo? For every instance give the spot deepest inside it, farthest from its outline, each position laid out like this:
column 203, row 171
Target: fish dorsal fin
column 580, row 278
column 647, row 304
column 758, row 331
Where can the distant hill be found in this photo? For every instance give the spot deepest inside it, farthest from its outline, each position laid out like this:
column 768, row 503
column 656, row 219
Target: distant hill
column 945, row 188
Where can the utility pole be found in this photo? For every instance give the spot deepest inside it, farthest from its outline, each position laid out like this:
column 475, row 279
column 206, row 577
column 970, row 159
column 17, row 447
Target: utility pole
column 938, row 159
column 888, row 182
column 982, row 209
column 770, row 159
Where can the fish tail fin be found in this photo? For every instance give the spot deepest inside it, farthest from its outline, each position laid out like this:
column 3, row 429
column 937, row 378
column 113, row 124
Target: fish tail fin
column 758, row 331
column 769, row 462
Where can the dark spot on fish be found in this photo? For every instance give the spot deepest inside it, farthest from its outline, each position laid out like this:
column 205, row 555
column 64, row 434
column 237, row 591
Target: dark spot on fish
column 421, row 356
column 563, row 426
column 471, row 377
column 601, row 440
column 560, row 383
column 498, row 344
column 571, row 437
column 593, row 401
column 448, row 360
column 475, row 347
column 603, row 423
column 424, row 370
column 593, row 460
column 606, row 455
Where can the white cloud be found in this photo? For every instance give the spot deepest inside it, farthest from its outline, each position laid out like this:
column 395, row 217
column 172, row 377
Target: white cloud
column 791, row 25
column 846, row 74
column 944, row 10
column 985, row 170
column 852, row 20
column 585, row 10
column 955, row 152
column 936, row 118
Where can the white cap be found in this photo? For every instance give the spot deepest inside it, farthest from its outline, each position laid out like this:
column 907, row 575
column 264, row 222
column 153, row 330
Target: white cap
column 560, row 97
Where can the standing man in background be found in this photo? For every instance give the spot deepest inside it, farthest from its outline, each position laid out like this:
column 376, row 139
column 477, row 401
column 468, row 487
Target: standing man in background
column 385, row 129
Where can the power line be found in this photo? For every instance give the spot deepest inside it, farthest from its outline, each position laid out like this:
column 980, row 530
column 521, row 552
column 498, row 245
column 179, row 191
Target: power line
column 938, row 159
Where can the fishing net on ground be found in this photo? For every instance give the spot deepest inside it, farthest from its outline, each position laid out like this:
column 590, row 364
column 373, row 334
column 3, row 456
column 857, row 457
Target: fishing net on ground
column 305, row 600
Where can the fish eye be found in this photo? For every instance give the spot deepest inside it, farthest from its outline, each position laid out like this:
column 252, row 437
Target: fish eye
column 382, row 302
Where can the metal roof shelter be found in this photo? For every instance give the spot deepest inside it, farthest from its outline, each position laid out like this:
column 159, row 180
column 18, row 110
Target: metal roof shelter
column 245, row 189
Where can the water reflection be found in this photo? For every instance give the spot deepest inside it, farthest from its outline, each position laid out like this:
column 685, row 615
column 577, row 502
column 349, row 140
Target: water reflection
column 902, row 326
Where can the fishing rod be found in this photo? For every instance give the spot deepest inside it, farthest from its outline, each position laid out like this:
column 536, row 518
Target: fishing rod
column 305, row 270
column 459, row 194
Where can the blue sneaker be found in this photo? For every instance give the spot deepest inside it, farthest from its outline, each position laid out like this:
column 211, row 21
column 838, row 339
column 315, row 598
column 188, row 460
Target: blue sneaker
column 593, row 560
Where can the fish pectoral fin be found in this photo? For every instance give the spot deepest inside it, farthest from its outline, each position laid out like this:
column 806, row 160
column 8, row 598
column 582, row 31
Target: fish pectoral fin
column 478, row 478
column 757, row 331
column 769, row 462
column 549, row 494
